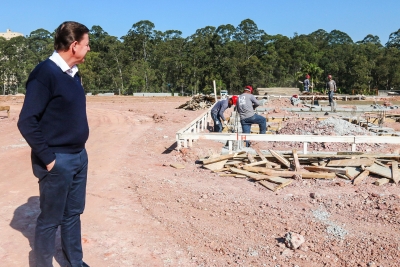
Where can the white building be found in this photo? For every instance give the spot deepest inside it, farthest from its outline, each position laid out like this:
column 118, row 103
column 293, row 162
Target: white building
column 9, row 34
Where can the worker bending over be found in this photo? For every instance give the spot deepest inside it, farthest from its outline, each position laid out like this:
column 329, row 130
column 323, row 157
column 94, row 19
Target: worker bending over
column 217, row 113
column 247, row 103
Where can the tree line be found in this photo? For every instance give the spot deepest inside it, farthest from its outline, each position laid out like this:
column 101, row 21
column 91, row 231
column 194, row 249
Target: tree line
column 148, row 60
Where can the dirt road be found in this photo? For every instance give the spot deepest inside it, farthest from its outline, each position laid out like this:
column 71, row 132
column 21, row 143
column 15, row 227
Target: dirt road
column 142, row 212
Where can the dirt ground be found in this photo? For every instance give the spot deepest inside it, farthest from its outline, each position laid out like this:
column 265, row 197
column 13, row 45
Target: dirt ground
column 142, row 212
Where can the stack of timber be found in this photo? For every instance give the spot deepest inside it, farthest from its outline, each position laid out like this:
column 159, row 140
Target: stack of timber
column 198, row 102
column 276, row 170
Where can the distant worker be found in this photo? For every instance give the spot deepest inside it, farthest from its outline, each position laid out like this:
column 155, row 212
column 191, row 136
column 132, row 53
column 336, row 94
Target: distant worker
column 331, row 87
column 217, row 113
column 306, row 83
column 247, row 103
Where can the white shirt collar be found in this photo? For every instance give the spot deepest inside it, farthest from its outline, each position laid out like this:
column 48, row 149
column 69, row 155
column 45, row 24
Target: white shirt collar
column 56, row 58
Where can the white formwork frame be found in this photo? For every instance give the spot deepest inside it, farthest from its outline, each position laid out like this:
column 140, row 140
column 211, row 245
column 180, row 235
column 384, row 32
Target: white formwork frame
column 194, row 131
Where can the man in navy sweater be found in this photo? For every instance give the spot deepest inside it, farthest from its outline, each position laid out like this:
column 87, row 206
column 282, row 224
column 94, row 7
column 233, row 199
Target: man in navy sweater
column 53, row 121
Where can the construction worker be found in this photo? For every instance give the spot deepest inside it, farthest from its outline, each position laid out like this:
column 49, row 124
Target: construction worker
column 246, row 105
column 217, row 113
column 306, row 83
column 331, row 87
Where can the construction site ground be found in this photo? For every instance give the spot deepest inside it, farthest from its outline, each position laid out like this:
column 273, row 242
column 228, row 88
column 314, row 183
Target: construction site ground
column 140, row 211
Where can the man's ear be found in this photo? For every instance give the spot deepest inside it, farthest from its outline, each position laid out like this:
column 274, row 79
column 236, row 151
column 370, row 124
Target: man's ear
column 73, row 46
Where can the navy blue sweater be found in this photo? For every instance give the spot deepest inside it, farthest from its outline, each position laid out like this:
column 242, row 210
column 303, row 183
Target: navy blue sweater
column 53, row 118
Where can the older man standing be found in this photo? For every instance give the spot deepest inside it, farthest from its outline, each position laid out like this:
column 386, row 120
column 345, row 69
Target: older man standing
column 53, row 121
column 246, row 104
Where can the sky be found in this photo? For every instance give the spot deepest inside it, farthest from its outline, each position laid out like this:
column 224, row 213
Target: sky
column 357, row 18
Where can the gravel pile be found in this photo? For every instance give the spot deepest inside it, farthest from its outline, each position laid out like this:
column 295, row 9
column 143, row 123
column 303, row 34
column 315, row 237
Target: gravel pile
column 342, row 127
column 330, row 126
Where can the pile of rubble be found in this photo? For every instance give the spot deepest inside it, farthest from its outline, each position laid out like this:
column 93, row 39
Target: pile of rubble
column 198, row 102
column 275, row 171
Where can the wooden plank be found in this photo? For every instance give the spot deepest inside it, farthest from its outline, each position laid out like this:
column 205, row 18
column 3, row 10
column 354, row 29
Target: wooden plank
column 233, row 162
column 251, row 158
column 395, row 172
column 381, row 181
column 269, row 185
column 280, row 158
column 263, row 158
column 317, row 175
column 216, row 165
column 222, row 170
column 352, row 172
column 351, row 162
column 278, row 180
column 358, row 180
column 282, row 185
column 380, row 163
column 249, row 174
column 257, row 163
column 381, row 171
column 349, row 153
column 342, row 176
column 326, row 169
column 177, row 165
column 305, row 175
column 260, row 154
column 296, row 160
column 221, row 158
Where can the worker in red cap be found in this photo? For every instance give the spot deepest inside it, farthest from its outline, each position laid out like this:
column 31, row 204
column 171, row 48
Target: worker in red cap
column 331, row 87
column 306, row 83
column 246, row 104
column 217, row 113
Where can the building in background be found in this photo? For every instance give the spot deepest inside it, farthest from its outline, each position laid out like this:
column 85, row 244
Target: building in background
column 9, row 34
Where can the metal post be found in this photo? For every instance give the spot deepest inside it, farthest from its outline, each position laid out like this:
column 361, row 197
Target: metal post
column 215, row 91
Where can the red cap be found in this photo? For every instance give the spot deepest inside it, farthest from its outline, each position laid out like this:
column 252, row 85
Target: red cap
column 308, row 76
column 249, row 88
column 234, row 99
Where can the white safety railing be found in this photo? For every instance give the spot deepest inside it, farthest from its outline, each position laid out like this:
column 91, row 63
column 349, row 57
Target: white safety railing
column 194, row 131
column 195, row 127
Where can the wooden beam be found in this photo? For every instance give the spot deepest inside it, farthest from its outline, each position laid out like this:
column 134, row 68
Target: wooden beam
column 296, row 160
column 224, row 157
column 260, row 154
column 305, row 175
column 249, row 174
column 269, row 185
column 251, row 158
column 351, row 162
column 395, row 172
column 216, row 166
column 326, row 169
column 381, row 171
column 381, row 181
column 257, row 163
column 280, row 158
column 358, row 180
